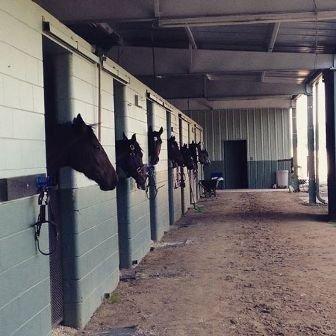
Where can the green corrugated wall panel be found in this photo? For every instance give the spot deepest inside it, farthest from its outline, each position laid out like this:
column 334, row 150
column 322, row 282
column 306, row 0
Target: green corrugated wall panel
column 267, row 131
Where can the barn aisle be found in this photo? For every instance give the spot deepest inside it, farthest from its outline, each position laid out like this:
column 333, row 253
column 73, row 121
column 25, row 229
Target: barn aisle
column 257, row 264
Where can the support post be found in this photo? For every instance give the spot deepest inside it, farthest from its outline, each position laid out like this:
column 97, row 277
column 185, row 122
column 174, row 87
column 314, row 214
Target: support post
column 311, row 145
column 295, row 138
column 317, row 144
column 329, row 77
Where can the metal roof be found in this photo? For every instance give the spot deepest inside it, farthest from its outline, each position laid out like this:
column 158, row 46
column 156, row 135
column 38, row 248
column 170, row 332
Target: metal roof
column 260, row 26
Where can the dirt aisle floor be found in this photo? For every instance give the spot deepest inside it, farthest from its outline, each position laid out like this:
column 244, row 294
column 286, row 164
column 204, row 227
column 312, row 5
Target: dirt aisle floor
column 258, row 264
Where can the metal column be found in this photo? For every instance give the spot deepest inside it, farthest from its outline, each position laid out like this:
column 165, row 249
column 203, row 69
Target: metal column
column 330, row 102
column 317, row 144
column 295, row 138
column 311, row 145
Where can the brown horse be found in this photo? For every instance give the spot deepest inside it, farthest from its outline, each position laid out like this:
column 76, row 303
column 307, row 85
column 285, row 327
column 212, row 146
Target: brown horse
column 129, row 159
column 174, row 153
column 75, row 145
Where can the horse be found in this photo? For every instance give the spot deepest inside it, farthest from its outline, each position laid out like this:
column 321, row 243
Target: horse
column 174, row 153
column 154, row 145
column 203, row 155
column 188, row 160
column 74, row 144
column 129, row 159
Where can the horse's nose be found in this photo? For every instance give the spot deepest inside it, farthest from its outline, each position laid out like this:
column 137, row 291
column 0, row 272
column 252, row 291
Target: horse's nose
column 109, row 180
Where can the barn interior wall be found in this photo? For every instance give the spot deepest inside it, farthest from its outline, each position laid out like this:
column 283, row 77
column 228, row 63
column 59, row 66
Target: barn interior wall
column 185, row 139
column 88, row 215
column 176, row 193
column 133, row 205
column 159, row 209
column 267, row 131
column 24, row 273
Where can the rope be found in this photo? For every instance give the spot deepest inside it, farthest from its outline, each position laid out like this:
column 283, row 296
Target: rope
column 44, row 201
column 151, row 185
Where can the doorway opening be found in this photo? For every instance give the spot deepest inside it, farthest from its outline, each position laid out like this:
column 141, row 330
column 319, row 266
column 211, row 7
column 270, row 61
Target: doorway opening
column 235, row 164
column 56, row 100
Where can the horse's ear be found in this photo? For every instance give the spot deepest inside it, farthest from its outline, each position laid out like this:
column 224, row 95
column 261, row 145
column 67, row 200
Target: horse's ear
column 79, row 124
column 124, row 136
column 161, row 130
column 133, row 137
column 199, row 143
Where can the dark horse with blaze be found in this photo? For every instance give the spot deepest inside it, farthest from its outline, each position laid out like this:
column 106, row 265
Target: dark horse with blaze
column 129, row 159
column 154, row 145
column 74, row 144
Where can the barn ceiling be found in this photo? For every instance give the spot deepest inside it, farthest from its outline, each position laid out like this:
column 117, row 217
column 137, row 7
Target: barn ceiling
column 210, row 50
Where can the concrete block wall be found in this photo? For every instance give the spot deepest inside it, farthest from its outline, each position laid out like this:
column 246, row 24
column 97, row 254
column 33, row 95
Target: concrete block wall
column 159, row 209
column 177, row 198
column 199, row 138
column 89, row 215
column 133, row 204
column 193, row 176
column 21, row 96
column 185, row 136
column 24, row 273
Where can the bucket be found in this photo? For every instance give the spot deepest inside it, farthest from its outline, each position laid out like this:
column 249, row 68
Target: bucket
column 282, row 178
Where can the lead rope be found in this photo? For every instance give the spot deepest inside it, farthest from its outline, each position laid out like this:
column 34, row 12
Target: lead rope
column 43, row 202
column 152, row 183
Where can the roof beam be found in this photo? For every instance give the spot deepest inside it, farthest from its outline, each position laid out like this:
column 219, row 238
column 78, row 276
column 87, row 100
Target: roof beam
column 191, row 37
column 274, row 35
column 228, row 20
column 271, row 43
column 195, row 12
column 176, row 61
column 192, row 87
column 237, row 103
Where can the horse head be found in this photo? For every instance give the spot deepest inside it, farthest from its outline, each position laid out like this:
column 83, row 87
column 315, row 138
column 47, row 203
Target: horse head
column 154, row 145
column 174, row 153
column 129, row 159
column 75, row 145
column 188, row 160
column 203, row 155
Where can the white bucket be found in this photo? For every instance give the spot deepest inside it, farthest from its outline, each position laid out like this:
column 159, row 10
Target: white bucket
column 282, row 178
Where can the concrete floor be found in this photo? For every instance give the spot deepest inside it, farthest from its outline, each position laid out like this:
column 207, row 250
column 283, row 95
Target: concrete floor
column 257, row 263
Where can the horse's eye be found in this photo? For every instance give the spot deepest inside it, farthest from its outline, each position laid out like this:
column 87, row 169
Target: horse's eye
column 97, row 147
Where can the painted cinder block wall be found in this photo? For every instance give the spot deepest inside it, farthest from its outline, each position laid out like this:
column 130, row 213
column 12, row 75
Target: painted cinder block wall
column 185, row 136
column 267, row 131
column 175, row 192
column 91, row 257
column 24, row 273
column 158, row 204
column 133, row 205
column 89, row 215
column 199, row 138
